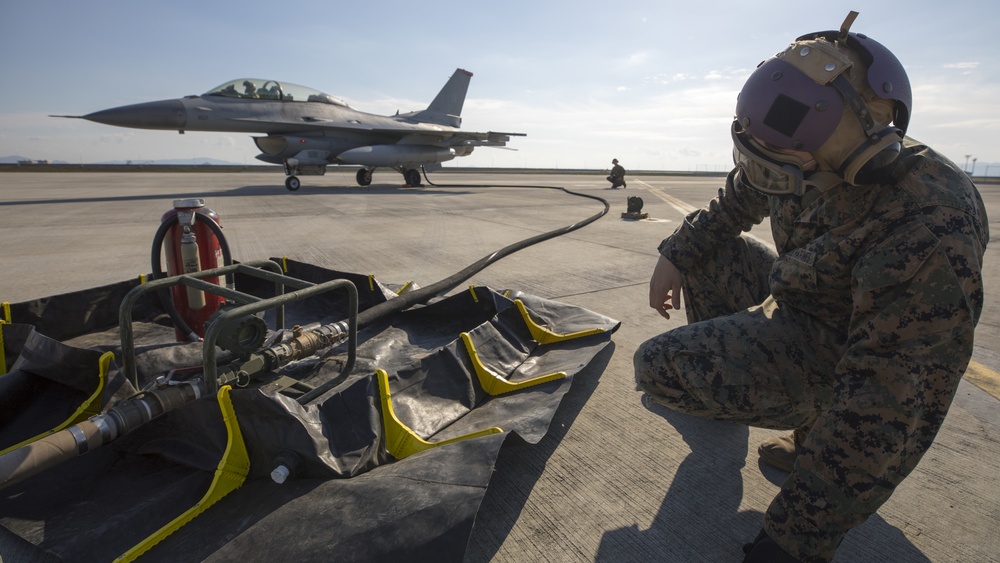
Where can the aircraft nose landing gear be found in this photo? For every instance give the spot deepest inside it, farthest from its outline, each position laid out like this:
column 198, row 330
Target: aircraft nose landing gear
column 294, row 168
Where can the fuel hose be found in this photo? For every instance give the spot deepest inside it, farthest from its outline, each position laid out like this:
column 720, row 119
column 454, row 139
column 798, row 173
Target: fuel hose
column 423, row 294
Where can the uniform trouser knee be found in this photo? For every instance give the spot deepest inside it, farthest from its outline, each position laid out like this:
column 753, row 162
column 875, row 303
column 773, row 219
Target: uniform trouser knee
column 742, row 357
column 733, row 278
column 657, row 376
column 713, row 369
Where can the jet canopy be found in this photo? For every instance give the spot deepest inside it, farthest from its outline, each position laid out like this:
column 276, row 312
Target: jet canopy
column 258, row 89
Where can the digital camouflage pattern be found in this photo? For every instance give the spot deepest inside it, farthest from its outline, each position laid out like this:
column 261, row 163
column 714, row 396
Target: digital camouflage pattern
column 861, row 326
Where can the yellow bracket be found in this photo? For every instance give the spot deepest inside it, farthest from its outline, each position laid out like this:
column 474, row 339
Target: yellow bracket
column 89, row 408
column 496, row 384
column 230, row 474
column 543, row 335
column 284, row 264
column 6, row 313
column 404, row 288
column 400, row 440
column 472, row 290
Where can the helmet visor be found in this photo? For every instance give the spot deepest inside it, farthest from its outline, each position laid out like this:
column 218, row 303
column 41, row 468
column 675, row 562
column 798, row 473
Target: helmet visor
column 766, row 171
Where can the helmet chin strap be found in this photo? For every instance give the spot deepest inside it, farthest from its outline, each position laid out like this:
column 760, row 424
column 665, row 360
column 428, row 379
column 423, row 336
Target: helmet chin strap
column 822, row 180
column 882, row 142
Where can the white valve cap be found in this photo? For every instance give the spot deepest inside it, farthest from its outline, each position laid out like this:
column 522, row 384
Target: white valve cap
column 279, row 474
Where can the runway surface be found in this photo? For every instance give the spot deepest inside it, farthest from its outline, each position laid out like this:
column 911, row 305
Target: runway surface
column 611, row 481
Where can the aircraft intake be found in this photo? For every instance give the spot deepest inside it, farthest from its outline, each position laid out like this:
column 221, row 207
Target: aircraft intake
column 271, row 145
column 307, row 150
column 395, row 155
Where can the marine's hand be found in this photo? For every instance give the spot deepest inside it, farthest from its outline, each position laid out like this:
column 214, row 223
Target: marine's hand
column 665, row 287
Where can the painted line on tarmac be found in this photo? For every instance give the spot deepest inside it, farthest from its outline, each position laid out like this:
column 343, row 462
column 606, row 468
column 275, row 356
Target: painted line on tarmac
column 977, row 374
column 984, row 378
column 684, row 208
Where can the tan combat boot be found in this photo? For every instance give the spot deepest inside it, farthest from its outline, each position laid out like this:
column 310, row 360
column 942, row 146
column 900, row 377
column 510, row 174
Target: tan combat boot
column 781, row 452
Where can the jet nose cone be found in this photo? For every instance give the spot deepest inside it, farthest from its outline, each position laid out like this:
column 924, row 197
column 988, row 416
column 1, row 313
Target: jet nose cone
column 166, row 114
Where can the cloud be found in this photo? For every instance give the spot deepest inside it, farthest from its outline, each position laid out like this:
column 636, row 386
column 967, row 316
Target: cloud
column 636, row 59
column 728, row 73
column 963, row 66
column 684, row 128
column 663, row 78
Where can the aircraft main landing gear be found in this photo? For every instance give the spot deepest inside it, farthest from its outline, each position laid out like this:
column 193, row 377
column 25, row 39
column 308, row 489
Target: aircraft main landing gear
column 293, row 183
column 364, row 177
column 412, row 177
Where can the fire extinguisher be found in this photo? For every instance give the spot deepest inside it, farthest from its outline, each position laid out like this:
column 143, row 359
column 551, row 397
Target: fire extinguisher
column 190, row 237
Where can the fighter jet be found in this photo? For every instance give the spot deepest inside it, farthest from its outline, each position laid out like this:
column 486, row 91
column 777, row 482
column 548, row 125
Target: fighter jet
column 308, row 130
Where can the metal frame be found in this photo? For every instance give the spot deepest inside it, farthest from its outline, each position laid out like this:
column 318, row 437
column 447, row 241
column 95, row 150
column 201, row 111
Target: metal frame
column 249, row 304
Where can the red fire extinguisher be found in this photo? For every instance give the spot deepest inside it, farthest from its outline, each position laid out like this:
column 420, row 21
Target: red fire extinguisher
column 190, row 245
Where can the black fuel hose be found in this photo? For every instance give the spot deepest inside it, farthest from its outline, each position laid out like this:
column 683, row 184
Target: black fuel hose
column 452, row 281
column 408, row 299
column 423, row 294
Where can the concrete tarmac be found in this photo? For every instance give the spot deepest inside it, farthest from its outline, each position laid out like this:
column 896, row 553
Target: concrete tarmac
column 612, row 481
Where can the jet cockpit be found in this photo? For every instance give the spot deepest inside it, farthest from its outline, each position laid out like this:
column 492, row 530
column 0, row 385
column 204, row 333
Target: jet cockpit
column 258, row 89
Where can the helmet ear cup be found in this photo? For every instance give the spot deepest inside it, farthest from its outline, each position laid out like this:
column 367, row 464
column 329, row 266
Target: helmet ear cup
column 873, row 158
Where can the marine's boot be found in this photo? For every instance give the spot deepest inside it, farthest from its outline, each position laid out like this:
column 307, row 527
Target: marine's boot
column 781, row 452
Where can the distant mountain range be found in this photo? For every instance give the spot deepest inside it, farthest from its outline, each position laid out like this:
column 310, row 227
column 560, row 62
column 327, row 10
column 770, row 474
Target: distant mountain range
column 14, row 159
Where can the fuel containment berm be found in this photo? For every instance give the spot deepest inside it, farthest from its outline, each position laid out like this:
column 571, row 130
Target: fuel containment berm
column 294, row 412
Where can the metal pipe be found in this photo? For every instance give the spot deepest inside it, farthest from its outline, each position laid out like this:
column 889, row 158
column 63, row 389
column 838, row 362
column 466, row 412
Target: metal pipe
column 304, row 344
column 129, row 414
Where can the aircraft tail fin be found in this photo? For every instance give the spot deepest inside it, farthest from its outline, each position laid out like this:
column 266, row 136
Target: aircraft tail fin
column 446, row 109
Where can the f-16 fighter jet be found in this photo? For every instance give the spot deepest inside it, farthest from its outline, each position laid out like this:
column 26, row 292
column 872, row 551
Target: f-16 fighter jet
column 307, row 130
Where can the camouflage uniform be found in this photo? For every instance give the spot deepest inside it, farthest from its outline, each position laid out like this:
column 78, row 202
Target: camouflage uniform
column 861, row 325
column 617, row 177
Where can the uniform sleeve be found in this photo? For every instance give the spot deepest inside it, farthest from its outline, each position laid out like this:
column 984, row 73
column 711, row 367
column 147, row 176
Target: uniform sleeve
column 917, row 295
column 736, row 209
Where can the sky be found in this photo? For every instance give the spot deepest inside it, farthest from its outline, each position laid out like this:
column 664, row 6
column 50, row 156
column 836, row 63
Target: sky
column 652, row 83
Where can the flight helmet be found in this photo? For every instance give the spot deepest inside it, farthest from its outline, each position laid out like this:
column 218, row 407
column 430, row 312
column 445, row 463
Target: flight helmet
column 840, row 96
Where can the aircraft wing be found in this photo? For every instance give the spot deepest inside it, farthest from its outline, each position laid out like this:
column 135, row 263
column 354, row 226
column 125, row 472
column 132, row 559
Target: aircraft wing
column 439, row 137
column 488, row 139
column 457, row 138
